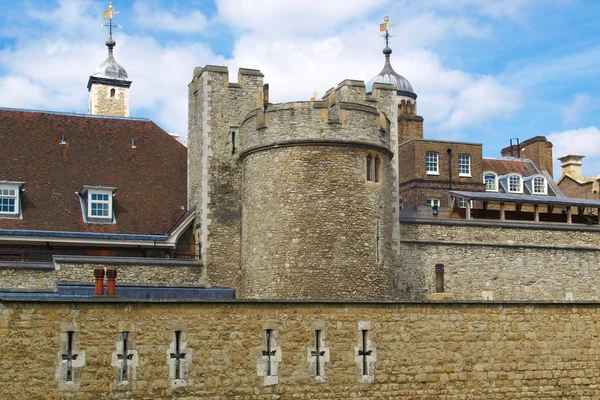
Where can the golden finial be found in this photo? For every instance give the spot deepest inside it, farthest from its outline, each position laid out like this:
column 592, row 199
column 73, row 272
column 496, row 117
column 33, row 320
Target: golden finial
column 385, row 27
column 108, row 14
column 314, row 96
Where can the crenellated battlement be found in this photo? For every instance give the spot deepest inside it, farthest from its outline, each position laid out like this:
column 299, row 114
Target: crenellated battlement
column 317, row 121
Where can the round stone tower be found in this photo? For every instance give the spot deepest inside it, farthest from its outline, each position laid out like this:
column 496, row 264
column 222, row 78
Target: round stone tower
column 317, row 197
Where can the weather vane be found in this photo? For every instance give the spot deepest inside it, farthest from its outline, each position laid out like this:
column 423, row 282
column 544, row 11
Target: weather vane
column 386, row 27
column 108, row 14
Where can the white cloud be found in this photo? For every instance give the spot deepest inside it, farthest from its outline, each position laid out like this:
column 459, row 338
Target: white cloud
column 152, row 17
column 582, row 141
column 581, row 105
column 282, row 18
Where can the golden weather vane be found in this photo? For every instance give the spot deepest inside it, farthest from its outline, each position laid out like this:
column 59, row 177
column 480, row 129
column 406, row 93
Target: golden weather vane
column 108, row 14
column 385, row 27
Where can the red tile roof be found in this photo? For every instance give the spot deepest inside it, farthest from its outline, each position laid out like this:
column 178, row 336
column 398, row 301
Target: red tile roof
column 151, row 178
column 503, row 166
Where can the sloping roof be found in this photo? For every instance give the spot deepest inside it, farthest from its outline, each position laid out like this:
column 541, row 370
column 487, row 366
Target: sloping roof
column 524, row 198
column 507, row 165
column 151, row 178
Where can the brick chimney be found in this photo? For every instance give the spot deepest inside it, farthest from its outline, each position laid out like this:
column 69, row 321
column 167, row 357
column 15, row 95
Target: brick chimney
column 571, row 165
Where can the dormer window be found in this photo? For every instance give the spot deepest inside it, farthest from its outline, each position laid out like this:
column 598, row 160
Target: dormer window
column 540, row 186
column 491, row 181
column 515, row 183
column 10, row 199
column 97, row 202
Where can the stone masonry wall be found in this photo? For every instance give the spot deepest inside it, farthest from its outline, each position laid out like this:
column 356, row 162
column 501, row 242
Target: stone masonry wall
column 30, row 278
column 217, row 109
column 102, row 104
column 500, row 262
column 310, row 224
column 446, row 351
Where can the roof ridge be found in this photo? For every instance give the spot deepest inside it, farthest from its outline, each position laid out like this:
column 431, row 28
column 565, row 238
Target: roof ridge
column 73, row 114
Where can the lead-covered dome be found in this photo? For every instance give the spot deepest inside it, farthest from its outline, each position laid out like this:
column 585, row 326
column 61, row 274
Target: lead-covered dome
column 110, row 68
column 388, row 75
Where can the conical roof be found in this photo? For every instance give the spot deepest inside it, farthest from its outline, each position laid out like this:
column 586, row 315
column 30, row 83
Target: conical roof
column 388, row 75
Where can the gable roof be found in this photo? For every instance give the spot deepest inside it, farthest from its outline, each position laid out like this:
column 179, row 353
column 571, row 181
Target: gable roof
column 507, row 165
column 151, row 179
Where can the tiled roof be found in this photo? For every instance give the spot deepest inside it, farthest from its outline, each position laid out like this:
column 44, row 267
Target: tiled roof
column 507, row 165
column 151, row 178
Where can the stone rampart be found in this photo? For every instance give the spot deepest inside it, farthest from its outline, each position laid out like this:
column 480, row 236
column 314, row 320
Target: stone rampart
column 413, row 350
column 500, row 260
column 16, row 275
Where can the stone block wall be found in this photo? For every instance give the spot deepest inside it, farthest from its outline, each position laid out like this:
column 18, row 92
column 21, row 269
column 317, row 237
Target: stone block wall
column 14, row 276
column 217, row 108
column 102, row 104
column 414, row 350
column 314, row 227
column 502, row 261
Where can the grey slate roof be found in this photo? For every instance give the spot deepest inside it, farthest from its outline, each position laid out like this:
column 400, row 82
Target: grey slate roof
column 524, row 198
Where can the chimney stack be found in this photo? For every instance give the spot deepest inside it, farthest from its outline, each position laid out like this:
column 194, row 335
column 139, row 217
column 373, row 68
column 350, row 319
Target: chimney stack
column 99, row 276
column 111, row 279
column 571, row 165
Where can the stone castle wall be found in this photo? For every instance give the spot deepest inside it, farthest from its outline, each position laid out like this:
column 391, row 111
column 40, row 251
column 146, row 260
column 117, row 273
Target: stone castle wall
column 102, row 104
column 502, row 261
column 42, row 276
column 415, row 350
column 216, row 110
column 312, row 224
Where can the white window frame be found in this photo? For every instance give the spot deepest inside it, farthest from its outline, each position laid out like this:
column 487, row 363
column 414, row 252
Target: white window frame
column 5, row 193
column 430, row 162
column 462, row 203
column 545, row 185
column 464, row 164
column 508, row 186
column 103, row 192
column 495, row 189
column 433, row 201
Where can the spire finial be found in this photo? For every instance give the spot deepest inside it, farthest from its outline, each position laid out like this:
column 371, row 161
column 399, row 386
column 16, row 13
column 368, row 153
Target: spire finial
column 108, row 15
column 385, row 27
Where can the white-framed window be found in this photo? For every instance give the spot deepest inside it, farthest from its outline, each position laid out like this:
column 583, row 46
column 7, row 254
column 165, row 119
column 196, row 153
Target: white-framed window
column 464, row 165
column 462, row 203
column 515, row 183
column 539, row 185
column 432, row 164
column 98, row 203
column 9, row 199
column 433, row 201
column 491, row 181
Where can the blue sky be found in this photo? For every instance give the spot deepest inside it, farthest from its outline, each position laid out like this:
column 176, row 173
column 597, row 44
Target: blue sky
column 485, row 70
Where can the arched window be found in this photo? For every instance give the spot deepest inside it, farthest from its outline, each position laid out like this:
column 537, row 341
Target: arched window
column 232, row 142
column 515, row 183
column 491, row 181
column 376, row 170
column 369, row 167
column 113, row 92
column 540, row 186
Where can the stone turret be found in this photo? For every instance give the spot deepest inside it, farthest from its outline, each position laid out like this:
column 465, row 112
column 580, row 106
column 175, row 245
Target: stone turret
column 272, row 180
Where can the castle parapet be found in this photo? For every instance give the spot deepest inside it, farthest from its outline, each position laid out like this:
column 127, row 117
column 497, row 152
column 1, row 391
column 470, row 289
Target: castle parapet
column 317, row 121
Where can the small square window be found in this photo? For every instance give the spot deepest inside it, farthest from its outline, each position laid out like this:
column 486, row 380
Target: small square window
column 433, row 202
column 432, row 163
column 515, row 184
column 9, row 199
column 99, row 204
column 539, row 185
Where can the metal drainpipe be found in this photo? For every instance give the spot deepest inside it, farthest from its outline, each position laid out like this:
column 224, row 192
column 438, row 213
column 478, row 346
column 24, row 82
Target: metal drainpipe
column 449, row 151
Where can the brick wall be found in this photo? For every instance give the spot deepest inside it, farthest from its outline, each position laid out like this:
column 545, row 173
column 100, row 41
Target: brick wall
column 538, row 149
column 418, row 350
column 416, row 185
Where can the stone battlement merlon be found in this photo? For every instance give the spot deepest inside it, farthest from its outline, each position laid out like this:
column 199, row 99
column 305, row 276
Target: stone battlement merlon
column 244, row 75
column 315, row 120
